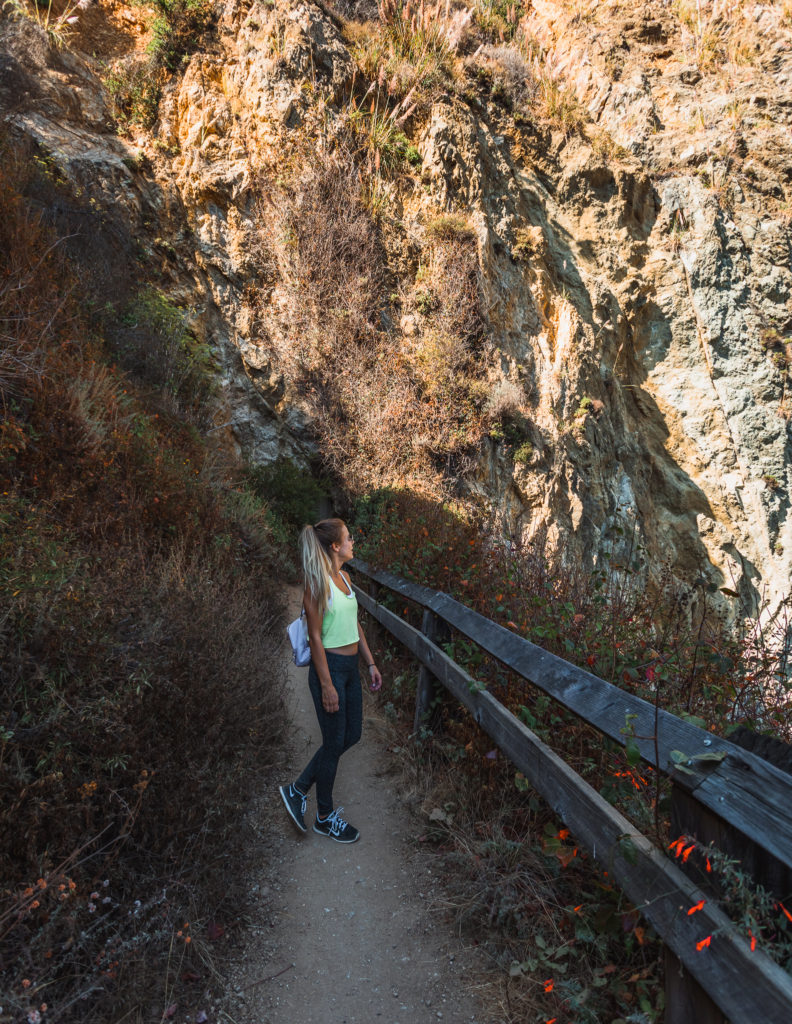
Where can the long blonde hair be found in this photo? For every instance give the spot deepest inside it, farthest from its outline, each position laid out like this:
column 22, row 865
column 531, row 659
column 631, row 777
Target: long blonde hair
column 315, row 545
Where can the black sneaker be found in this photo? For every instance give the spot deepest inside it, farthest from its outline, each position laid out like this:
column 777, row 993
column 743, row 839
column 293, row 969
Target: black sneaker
column 295, row 805
column 334, row 827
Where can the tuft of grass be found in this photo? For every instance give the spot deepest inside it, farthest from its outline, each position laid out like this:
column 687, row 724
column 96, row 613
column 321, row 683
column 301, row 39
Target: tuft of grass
column 450, row 227
column 56, row 27
column 498, row 19
column 717, row 37
column 406, row 52
column 381, row 140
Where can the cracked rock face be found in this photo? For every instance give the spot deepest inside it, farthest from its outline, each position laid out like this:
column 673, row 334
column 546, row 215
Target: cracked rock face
column 629, row 289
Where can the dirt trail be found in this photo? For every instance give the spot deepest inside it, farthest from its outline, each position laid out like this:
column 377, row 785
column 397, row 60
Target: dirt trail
column 354, row 935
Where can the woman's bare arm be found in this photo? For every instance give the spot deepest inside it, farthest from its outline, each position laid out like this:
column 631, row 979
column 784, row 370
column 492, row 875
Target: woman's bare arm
column 375, row 679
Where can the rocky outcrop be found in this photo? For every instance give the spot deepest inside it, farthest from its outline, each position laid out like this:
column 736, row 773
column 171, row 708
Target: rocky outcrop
column 636, row 278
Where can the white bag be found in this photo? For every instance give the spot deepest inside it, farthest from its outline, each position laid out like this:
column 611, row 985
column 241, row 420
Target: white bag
column 298, row 638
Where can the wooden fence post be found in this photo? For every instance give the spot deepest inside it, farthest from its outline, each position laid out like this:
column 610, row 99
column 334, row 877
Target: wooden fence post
column 686, row 1002
column 425, row 692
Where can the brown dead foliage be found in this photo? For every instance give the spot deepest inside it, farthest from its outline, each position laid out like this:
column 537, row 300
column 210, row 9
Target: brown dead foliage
column 382, row 412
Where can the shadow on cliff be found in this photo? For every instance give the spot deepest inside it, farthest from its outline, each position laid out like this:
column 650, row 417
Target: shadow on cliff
column 633, row 335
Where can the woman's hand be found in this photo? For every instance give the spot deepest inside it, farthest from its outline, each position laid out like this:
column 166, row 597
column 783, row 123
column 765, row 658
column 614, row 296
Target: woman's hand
column 329, row 698
column 375, row 679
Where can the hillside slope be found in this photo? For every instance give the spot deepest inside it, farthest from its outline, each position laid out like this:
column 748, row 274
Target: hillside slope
column 563, row 259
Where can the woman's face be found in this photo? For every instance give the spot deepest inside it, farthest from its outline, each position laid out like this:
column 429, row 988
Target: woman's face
column 345, row 547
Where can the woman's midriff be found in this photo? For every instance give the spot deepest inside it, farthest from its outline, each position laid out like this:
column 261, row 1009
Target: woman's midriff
column 349, row 649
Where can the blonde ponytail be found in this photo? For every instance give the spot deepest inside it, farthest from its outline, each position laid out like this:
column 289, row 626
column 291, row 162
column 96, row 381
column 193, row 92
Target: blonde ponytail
column 315, row 544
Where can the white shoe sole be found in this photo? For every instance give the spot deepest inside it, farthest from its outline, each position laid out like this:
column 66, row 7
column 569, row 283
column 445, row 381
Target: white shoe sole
column 300, row 824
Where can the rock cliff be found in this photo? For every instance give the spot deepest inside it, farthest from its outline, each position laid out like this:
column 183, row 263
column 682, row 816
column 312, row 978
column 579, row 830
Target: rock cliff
column 628, row 359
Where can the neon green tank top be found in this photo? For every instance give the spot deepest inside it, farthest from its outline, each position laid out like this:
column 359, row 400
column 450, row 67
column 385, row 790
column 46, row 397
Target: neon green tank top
column 339, row 625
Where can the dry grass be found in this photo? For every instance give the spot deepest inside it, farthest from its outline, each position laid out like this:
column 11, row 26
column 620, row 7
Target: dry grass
column 407, row 52
column 722, row 34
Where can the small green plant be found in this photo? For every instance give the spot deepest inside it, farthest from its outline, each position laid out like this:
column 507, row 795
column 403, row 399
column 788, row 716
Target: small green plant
column 584, row 407
column 771, row 482
column 528, row 244
column 523, row 453
column 765, row 920
column 425, row 302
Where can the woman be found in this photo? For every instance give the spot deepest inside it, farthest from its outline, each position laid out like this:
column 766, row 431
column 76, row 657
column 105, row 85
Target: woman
column 336, row 640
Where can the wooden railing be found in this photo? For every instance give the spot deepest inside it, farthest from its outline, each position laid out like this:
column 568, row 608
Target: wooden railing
column 745, row 796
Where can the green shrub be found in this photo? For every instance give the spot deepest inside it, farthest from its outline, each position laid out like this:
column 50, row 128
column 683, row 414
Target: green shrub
column 154, row 342
column 177, row 29
column 524, row 453
column 135, row 83
column 135, row 87
column 293, row 495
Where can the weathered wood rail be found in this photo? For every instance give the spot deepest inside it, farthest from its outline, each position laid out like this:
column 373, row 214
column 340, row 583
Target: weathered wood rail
column 744, row 793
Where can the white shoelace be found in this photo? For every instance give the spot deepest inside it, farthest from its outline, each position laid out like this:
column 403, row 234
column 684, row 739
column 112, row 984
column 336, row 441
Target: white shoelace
column 336, row 822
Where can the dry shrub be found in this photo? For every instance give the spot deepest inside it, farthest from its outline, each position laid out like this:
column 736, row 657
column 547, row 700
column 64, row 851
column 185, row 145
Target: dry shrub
column 140, row 688
column 325, row 249
column 505, row 401
column 36, row 292
column 446, row 297
column 454, row 272
column 512, row 76
column 376, row 419
column 157, row 691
